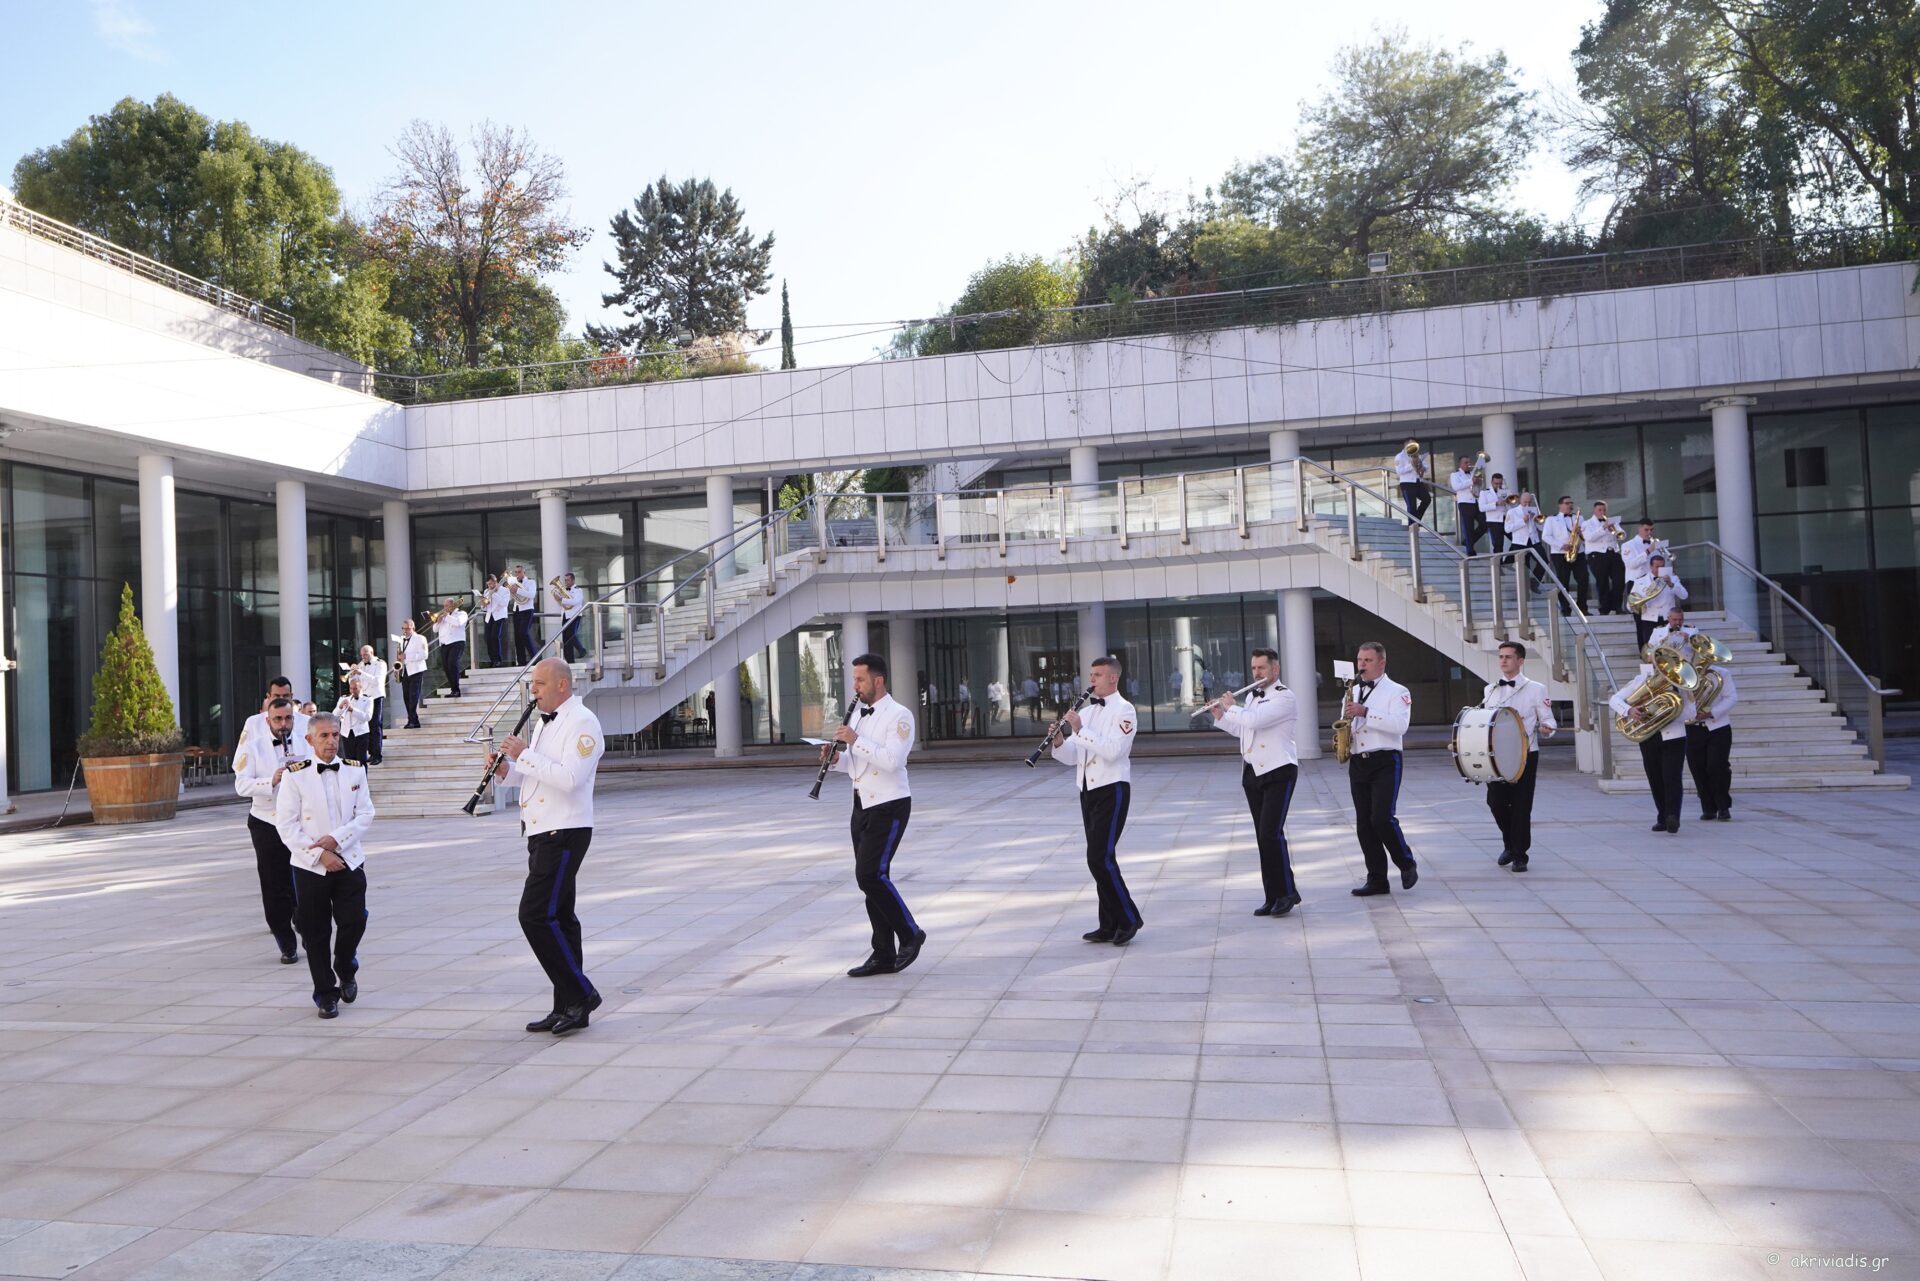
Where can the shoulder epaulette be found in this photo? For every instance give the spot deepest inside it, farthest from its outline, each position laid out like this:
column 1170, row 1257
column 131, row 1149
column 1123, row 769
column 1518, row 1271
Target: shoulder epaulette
column 300, row 764
column 353, row 764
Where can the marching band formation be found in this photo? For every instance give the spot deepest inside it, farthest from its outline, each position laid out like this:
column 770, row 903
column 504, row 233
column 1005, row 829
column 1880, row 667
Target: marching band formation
column 310, row 804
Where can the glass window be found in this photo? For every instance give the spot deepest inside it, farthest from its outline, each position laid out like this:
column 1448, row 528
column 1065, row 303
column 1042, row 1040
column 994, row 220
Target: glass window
column 1896, row 538
column 446, row 555
column 598, row 545
column 196, row 529
column 1679, row 465
column 52, row 527
column 966, row 657
column 1043, row 662
column 320, row 554
column 253, row 540
column 116, row 531
column 1808, row 462
column 513, row 538
column 668, row 528
column 1813, row 543
column 1590, row 464
column 1893, row 442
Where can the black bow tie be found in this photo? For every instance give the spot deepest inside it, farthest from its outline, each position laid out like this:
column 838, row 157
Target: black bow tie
column 1367, row 686
column 1259, row 693
column 866, row 709
column 282, row 742
column 546, row 718
column 1098, row 702
column 328, row 767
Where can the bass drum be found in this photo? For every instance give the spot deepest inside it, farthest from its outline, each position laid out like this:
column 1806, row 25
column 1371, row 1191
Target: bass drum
column 1489, row 745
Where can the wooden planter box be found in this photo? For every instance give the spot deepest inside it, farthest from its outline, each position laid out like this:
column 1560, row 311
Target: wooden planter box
column 133, row 789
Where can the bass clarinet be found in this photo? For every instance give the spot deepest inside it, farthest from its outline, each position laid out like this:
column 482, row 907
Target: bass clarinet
column 1054, row 729
column 493, row 762
column 833, row 750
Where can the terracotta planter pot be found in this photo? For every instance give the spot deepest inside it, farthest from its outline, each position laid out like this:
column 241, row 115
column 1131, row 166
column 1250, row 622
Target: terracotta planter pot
column 133, row 789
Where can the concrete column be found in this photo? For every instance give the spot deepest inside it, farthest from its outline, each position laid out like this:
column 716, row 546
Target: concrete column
column 1083, row 465
column 160, row 572
column 1283, row 446
column 553, row 555
column 853, row 643
column 903, row 667
column 728, row 739
column 1297, row 669
column 786, row 687
column 1183, row 694
column 1733, row 501
column 396, row 526
column 1503, row 456
column 1093, row 634
column 296, row 650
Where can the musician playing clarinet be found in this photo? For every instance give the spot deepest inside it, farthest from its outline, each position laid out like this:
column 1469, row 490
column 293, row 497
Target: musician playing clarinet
column 1097, row 742
column 1265, row 727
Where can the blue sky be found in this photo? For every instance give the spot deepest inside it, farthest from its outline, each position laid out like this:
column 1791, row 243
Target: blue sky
column 892, row 149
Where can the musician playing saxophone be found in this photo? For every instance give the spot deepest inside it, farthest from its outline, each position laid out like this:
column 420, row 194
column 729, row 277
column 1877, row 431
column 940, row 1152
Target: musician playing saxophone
column 1380, row 710
column 1265, row 727
column 1512, row 803
column 1563, row 536
column 1660, row 754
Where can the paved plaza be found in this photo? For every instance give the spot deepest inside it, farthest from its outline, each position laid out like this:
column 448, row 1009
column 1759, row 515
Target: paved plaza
column 1649, row 1057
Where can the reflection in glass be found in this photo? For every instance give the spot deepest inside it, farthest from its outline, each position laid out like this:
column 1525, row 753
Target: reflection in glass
column 1808, row 462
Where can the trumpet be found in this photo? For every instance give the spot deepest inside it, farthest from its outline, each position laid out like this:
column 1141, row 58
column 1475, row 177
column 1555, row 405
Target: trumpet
column 1053, row 730
column 1207, row 708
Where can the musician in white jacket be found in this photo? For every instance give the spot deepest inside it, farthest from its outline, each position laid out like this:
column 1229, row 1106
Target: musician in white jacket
column 555, row 765
column 1512, row 803
column 1662, row 590
column 322, row 811
column 355, row 712
column 1380, row 709
column 1097, row 741
column 877, row 741
column 1265, row 725
column 1661, row 755
column 410, row 660
column 573, row 603
column 1710, row 749
column 269, row 742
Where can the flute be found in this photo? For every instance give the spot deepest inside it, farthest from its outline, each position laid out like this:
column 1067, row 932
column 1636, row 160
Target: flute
column 1054, row 729
column 493, row 762
column 833, row 750
column 1207, row 710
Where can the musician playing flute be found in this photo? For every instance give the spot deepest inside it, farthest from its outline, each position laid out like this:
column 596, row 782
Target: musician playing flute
column 1265, row 727
column 1097, row 742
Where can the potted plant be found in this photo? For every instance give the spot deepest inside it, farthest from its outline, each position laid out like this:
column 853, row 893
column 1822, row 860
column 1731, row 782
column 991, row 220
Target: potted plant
column 131, row 754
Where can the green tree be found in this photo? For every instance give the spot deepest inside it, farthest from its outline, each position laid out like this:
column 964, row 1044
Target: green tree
column 215, row 200
column 688, row 265
column 132, row 714
column 786, row 331
column 468, row 247
column 1014, row 298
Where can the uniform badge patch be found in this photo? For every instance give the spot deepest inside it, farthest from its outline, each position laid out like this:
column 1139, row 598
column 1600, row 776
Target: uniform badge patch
column 585, row 745
column 905, row 729
column 1126, row 727
column 241, row 763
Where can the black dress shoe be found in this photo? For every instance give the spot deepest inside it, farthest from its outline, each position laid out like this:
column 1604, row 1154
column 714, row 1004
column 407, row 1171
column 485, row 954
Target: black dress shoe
column 910, row 953
column 574, row 1017
column 1371, row 888
column 329, row 1008
column 1506, row 857
column 1725, row 816
column 871, row 966
column 1408, row 875
column 1265, row 909
column 1707, row 816
column 1673, row 823
column 546, row 1024
column 1660, row 824
column 349, row 990
column 1124, row 935
column 1520, row 864
column 1098, row 936
column 288, row 958
column 1283, row 905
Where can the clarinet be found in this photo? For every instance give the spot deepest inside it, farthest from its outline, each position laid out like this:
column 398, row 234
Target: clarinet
column 1054, row 729
column 833, row 750
column 493, row 762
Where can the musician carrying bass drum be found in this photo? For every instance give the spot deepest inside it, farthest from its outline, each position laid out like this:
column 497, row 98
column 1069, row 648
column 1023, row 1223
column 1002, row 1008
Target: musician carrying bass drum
column 1497, row 743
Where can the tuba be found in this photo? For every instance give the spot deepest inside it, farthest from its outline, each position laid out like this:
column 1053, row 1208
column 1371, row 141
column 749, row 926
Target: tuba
column 1659, row 695
column 1343, row 728
column 1708, row 654
column 1479, row 473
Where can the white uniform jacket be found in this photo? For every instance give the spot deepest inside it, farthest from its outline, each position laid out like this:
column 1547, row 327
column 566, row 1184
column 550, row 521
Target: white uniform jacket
column 373, row 677
column 1662, row 632
column 1265, row 725
column 314, row 803
column 522, row 595
column 1521, row 531
column 355, row 713
column 576, row 602
column 499, row 601
column 1100, row 749
column 259, row 757
column 1599, row 536
column 1676, row 728
column 1635, row 551
column 1389, row 712
column 451, row 629
column 1559, row 532
column 1529, row 698
column 1722, row 705
column 555, row 771
column 1672, row 592
column 1461, row 482
column 1493, row 504
column 410, row 655
column 1409, row 469
column 876, row 760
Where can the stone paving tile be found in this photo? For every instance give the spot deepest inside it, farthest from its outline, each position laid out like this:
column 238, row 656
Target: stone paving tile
column 1646, row 1058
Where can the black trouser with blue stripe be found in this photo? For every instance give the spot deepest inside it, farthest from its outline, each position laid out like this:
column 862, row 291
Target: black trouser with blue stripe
column 1268, row 796
column 1103, row 811
column 876, row 836
column 546, row 911
column 1374, row 778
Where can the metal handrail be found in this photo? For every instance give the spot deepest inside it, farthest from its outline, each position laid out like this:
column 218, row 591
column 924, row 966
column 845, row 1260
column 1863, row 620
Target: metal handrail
column 1777, row 592
column 38, row 225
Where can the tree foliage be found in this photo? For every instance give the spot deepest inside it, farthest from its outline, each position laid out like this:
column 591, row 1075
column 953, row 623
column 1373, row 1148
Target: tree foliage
column 787, row 360
column 1013, row 297
column 132, row 714
column 467, row 245
column 215, row 200
column 688, row 265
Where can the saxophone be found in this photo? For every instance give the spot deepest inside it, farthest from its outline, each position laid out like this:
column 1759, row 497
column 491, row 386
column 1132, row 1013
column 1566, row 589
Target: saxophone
column 1343, row 728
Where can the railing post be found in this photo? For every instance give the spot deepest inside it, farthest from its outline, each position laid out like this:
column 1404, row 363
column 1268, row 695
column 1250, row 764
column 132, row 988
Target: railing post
column 1120, row 509
column 1470, row 634
column 880, row 524
column 660, row 642
column 1000, row 505
column 940, row 526
column 1240, row 498
column 1559, row 627
column 1413, row 563
column 819, row 526
column 1773, row 611
column 1300, row 494
column 1877, row 731
column 713, row 602
column 626, row 658
column 1499, row 610
column 1180, row 494
column 599, row 668
column 1353, row 521
column 1063, row 520
column 1523, row 620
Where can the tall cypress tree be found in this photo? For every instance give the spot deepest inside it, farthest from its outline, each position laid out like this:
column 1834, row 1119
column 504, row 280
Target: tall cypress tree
column 786, row 331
